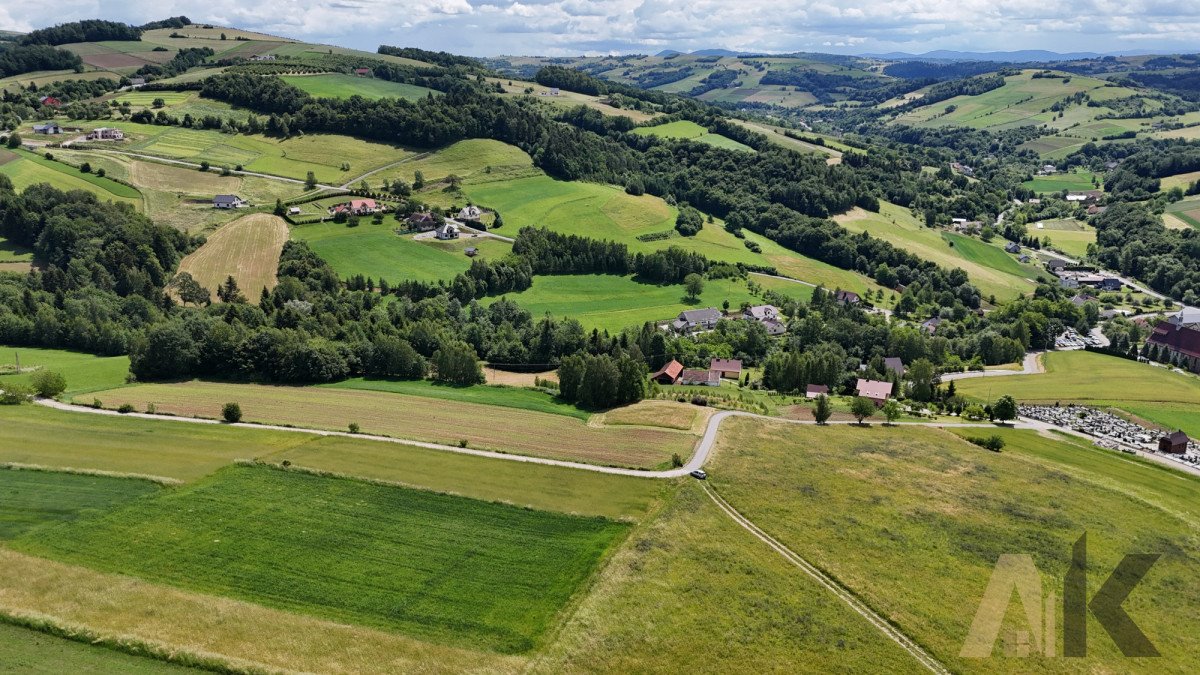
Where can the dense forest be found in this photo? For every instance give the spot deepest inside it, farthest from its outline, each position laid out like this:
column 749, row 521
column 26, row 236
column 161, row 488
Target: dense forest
column 19, row 59
column 89, row 30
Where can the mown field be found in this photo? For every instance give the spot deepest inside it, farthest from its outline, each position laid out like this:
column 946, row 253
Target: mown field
column 414, row 418
column 992, row 270
column 688, row 130
column 507, row 397
column 247, row 249
column 25, row 168
column 1183, row 214
column 84, row 372
column 376, row 251
column 23, row 650
column 949, row 509
column 776, row 136
column 1075, row 181
column 1150, row 392
column 611, row 303
column 476, row 160
column 36, row 498
column 339, row 85
column 1070, row 235
column 437, row 566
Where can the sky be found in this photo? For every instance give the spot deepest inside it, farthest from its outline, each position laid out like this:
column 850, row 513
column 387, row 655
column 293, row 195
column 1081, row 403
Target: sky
column 571, row 27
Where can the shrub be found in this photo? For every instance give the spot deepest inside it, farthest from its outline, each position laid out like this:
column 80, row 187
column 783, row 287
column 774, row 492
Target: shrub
column 993, row 442
column 204, row 166
column 354, row 427
column 101, row 172
column 85, row 168
column 231, row 413
column 97, row 404
column 14, row 394
column 699, row 400
column 462, row 443
column 48, row 383
column 125, row 408
column 676, row 460
column 151, row 409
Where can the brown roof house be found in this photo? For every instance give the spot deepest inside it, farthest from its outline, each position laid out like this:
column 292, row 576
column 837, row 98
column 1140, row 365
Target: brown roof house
column 895, row 364
column 815, row 390
column 707, row 378
column 1174, row 443
column 846, row 297
column 730, row 368
column 1176, row 344
column 669, row 373
column 874, row 389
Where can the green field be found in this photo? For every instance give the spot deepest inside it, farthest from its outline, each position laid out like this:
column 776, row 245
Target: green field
column 949, row 509
column 338, row 85
column 30, row 169
column 1075, row 181
column 445, row 568
column 27, row 651
column 1153, row 393
column 1186, row 212
column 84, row 372
column 37, row 498
column 476, row 160
column 611, row 303
column 293, row 157
column 990, row 268
column 688, row 130
column 378, row 252
column 505, row 397
column 1070, row 235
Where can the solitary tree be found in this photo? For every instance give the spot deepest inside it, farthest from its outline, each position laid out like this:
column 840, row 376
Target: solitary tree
column 231, row 413
column 310, row 181
column 822, row 409
column 418, row 180
column 694, row 285
column 190, row 290
column 14, row 140
column 1005, row 408
column 891, row 410
column 48, row 383
column 862, row 408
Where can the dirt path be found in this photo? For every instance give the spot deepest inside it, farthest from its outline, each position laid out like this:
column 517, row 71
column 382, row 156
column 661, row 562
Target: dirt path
column 1031, row 365
column 831, row 585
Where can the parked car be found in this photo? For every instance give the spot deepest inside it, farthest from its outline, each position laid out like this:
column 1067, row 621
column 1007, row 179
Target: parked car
column 699, row 474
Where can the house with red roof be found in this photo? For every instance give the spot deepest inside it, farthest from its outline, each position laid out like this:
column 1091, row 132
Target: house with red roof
column 874, row 389
column 669, row 373
column 707, row 378
column 357, row 207
column 50, row 102
column 728, row 368
column 1176, row 344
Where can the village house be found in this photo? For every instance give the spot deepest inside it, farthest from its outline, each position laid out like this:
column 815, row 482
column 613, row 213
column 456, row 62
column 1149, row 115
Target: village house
column 263, row 57
column 669, row 373
column 895, row 364
column 362, row 72
column 135, row 82
column 294, row 211
column 962, row 168
column 552, row 91
column 1174, row 443
column 356, row 207
column 50, row 102
column 1047, row 169
column 49, row 128
column 693, row 320
column 846, row 297
column 931, row 325
column 105, row 134
column 875, row 390
column 1080, row 298
column 422, row 221
column 705, row 378
column 1012, row 247
column 761, row 313
column 1176, row 344
column 228, row 202
column 1024, row 259
column 774, row 328
column 470, row 212
column 815, row 390
column 728, row 368
column 448, row 230
column 1054, row 265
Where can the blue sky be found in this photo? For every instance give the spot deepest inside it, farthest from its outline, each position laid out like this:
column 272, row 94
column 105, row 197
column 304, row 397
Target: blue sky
column 563, row 27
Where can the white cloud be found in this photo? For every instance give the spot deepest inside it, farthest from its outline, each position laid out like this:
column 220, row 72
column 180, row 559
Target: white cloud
column 604, row 26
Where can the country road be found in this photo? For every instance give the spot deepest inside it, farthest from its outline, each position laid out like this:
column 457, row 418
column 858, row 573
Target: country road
column 1032, row 365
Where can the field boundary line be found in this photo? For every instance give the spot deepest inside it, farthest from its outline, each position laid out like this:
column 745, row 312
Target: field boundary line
column 832, row 585
column 161, row 480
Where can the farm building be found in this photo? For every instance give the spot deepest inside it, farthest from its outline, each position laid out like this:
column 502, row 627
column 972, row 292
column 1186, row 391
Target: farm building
column 931, row 325
column 1086, row 197
column 1174, row 443
column 1056, row 264
column 470, row 212
column 729, row 368
column 874, row 389
column 50, row 102
column 706, row 378
column 761, row 313
column 847, row 297
column 105, row 134
column 263, row 57
column 1176, row 344
column 669, row 373
column 815, row 390
column 135, row 82
column 228, row 202
column 362, row 72
column 447, row 231
column 1012, row 247
column 49, row 128
column 692, row 320
column 422, row 221
column 294, row 211
column 356, row 207
column 471, row 251
column 895, row 364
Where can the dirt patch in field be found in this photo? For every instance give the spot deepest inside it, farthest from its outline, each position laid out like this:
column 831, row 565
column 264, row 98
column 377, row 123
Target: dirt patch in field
column 511, row 379
column 668, row 414
column 247, row 249
column 116, row 60
column 7, row 156
column 804, row 412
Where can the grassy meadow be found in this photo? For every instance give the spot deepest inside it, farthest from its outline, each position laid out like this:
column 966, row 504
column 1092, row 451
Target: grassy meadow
column 611, row 303
column 1079, row 180
column 1067, row 234
column 688, row 130
column 414, row 418
column 439, row 567
column 476, row 160
column 84, row 372
column 23, row 650
column 34, row 498
column 1150, row 392
column 25, row 168
column 14, row 257
column 340, row 85
column 507, row 397
column 949, row 509
column 990, row 268
column 247, row 249
column 1183, row 214
column 376, row 251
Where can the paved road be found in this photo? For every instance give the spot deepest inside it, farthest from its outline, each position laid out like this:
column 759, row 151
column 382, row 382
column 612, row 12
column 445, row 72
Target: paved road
column 1031, row 365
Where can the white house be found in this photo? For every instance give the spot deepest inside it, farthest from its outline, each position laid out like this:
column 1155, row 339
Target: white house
column 448, row 230
column 228, row 202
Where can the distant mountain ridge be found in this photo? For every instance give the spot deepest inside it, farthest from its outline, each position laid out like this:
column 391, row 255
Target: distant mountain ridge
column 1019, row 56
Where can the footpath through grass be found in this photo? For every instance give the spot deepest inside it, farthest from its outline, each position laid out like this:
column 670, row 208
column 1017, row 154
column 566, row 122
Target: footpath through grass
column 913, row 520
column 441, row 567
column 1153, row 393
